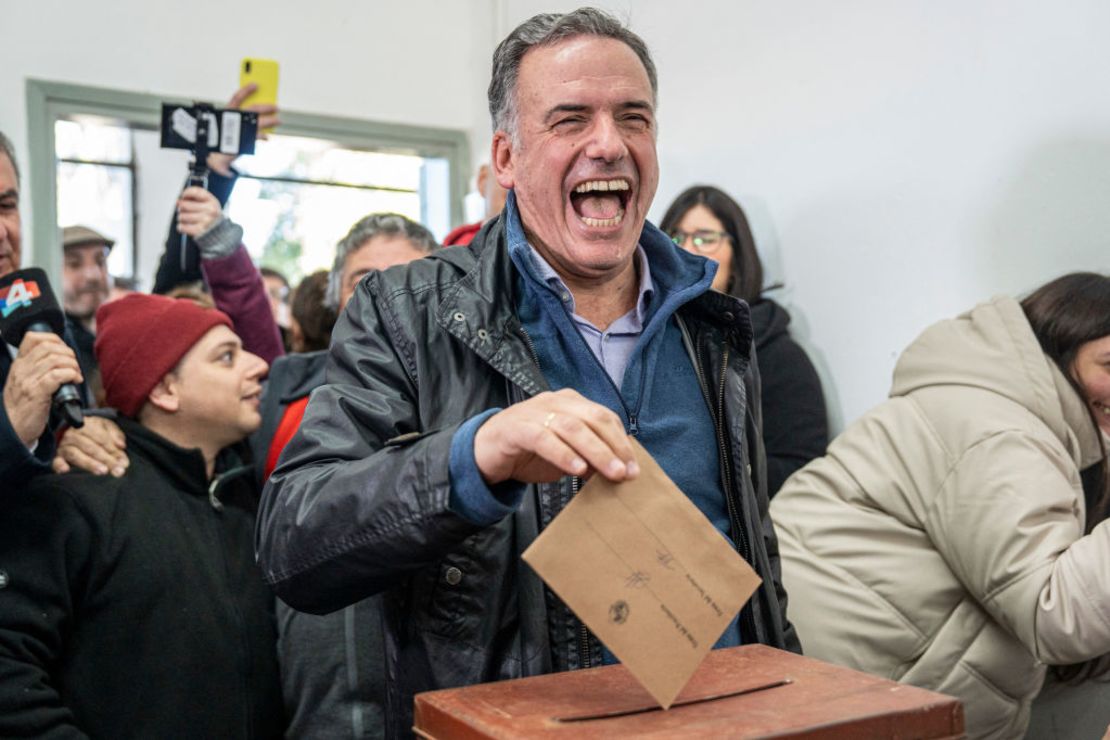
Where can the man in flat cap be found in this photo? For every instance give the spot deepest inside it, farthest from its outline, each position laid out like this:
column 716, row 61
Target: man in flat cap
column 85, row 285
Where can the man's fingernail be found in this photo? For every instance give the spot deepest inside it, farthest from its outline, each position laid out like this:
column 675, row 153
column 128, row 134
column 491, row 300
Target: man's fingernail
column 616, row 467
column 118, row 471
column 633, row 469
column 101, row 469
column 578, row 465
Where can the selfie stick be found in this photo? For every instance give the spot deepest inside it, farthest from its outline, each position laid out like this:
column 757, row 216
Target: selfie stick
column 198, row 170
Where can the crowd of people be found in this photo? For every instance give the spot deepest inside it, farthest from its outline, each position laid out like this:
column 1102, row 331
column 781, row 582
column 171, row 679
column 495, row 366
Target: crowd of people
column 377, row 446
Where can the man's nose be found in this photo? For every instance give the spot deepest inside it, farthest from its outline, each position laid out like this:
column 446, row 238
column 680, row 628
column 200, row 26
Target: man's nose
column 257, row 366
column 92, row 273
column 607, row 142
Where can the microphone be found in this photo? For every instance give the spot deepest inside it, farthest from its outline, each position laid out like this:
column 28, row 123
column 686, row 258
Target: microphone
column 27, row 303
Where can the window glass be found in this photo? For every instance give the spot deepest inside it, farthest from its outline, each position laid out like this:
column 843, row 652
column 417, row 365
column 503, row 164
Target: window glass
column 295, row 198
column 95, row 185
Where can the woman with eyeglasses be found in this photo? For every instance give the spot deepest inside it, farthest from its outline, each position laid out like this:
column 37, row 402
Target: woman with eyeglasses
column 706, row 221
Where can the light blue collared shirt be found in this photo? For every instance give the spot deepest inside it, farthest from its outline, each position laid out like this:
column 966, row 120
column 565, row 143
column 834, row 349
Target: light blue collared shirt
column 613, row 346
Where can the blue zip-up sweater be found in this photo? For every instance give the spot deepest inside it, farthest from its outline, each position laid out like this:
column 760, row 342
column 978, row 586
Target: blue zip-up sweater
column 660, row 399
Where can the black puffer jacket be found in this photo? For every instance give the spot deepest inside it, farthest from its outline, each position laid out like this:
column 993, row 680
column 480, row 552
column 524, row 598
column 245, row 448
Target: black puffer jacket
column 359, row 504
column 795, row 423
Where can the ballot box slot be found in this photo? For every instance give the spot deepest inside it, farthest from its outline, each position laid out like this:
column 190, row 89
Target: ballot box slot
column 680, row 703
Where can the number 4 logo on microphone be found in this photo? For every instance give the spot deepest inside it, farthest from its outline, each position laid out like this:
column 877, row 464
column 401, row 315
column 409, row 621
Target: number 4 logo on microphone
column 17, row 295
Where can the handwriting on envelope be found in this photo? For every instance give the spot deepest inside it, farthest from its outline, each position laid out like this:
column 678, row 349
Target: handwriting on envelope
column 647, row 573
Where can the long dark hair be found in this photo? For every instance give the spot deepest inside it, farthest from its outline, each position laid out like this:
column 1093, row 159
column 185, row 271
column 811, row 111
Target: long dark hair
column 746, row 280
column 1065, row 314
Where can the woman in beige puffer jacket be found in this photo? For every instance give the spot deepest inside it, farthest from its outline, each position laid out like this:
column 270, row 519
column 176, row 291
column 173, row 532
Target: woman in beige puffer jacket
column 944, row 539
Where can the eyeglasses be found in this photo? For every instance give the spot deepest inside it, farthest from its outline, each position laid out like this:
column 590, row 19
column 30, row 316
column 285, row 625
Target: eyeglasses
column 705, row 241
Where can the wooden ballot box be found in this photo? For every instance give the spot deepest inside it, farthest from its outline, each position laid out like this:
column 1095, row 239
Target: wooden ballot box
column 751, row 691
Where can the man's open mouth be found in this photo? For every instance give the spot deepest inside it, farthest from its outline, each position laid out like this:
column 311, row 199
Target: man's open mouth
column 601, row 202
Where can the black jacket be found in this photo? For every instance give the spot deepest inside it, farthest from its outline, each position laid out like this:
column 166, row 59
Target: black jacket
column 795, row 423
column 332, row 666
column 359, row 504
column 291, row 377
column 133, row 607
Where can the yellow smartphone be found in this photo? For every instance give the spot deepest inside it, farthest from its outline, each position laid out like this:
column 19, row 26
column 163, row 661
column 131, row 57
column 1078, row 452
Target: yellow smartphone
column 264, row 73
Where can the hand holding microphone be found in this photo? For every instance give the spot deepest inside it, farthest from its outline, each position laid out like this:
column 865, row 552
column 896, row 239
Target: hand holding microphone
column 45, row 370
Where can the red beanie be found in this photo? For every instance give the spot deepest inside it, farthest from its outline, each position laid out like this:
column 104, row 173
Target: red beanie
column 140, row 338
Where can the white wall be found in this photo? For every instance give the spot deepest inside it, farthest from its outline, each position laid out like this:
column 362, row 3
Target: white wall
column 418, row 62
column 901, row 161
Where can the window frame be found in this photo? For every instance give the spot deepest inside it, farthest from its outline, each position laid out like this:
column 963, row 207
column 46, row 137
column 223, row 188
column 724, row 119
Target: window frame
column 48, row 101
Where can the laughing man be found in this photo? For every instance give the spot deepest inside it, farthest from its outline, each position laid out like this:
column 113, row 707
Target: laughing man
column 468, row 392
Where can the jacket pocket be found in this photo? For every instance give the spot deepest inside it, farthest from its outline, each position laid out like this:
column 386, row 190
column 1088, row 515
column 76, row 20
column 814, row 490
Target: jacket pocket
column 469, row 593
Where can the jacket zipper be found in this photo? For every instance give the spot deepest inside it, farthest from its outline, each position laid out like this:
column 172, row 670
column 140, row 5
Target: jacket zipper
column 583, row 633
column 236, row 612
column 746, row 620
column 734, row 514
column 742, row 545
column 219, row 480
column 575, row 483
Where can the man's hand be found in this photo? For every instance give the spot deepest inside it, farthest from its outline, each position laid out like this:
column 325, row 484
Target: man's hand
column 98, row 447
column 267, row 118
column 44, row 363
column 197, row 211
column 552, row 435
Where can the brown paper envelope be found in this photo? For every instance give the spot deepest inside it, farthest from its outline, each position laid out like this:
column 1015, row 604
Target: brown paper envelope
column 644, row 569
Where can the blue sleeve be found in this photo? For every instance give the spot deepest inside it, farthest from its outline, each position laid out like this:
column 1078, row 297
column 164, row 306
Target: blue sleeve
column 18, row 464
column 470, row 497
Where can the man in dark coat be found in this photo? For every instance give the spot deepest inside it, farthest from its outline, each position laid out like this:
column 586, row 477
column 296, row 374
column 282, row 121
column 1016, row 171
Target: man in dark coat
column 31, row 373
column 132, row 606
column 469, row 392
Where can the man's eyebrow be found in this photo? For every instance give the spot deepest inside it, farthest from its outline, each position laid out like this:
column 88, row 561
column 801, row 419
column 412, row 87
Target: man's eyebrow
column 566, row 108
column 225, row 345
column 638, row 105
column 12, row 193
column 643, row 105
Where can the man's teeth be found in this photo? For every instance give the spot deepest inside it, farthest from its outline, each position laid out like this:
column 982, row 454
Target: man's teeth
column 614, row 221
column 605, row 185
column 1103, row 408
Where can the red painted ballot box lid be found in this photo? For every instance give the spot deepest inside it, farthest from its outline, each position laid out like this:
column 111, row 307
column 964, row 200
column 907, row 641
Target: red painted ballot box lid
column 751, row 691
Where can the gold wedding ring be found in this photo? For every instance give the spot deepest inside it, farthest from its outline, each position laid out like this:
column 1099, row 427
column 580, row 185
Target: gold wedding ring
column 547, row 421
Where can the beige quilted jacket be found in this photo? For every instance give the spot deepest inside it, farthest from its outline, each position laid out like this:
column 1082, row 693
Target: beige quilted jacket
column 940, row 541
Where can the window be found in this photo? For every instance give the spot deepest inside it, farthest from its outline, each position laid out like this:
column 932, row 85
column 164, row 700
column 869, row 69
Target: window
column 96, row 184
column 296, row 196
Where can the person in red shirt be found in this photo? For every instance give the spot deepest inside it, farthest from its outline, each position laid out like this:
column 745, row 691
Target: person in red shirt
column 494, row 196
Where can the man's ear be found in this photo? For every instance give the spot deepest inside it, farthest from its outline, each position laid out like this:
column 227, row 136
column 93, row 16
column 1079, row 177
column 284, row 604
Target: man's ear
column 501, row 159
column 165, row 395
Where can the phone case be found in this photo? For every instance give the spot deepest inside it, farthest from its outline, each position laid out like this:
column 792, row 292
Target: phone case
column 264, row 73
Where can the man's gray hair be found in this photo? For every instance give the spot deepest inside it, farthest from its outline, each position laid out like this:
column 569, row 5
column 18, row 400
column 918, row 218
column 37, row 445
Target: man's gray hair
column 547, row 29
column 365, row 229
column 8, row 150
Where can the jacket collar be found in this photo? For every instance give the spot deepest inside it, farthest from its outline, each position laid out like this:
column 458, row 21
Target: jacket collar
column 480, row 309
column 184, row 468
column 305, row 369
